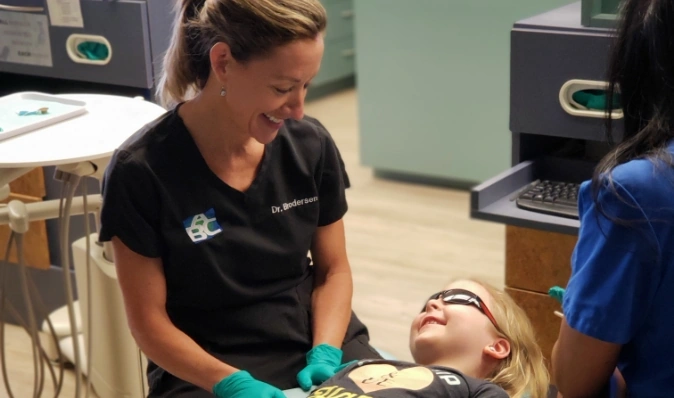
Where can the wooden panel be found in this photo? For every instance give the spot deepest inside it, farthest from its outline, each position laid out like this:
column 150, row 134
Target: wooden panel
column 540, row 310
column 30, row 184
column 36, row 246
column 537, row 260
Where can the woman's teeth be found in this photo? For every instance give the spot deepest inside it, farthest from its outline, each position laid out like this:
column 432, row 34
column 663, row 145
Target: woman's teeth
column 273, row 119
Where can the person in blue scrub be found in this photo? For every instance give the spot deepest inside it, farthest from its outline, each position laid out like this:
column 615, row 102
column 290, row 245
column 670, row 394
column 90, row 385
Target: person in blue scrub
column 618, row 305
column 213, row 209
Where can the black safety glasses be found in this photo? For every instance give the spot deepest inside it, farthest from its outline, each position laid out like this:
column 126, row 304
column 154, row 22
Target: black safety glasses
column 463, row 297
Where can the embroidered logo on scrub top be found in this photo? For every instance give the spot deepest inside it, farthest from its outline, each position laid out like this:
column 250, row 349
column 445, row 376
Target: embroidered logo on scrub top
column 294, row 203
column 202, row 227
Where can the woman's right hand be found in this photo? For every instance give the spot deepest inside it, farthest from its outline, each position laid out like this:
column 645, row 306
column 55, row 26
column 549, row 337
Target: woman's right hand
column 242, row 385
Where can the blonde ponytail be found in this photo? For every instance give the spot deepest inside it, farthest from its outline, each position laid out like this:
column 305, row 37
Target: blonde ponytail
column 251, row 28
column 178, row 75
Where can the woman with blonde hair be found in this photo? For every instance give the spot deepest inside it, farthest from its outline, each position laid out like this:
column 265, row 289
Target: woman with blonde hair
column 213, row 207
column 469, row 341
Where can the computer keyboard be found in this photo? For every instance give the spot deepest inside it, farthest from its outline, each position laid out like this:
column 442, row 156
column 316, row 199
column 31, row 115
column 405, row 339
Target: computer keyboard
column 550, row 197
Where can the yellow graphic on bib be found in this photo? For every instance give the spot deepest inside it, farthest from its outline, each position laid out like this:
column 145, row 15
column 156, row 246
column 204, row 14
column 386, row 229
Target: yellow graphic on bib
column 377, row 377
column 335, row 392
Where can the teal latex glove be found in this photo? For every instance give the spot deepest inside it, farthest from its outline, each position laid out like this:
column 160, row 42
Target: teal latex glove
column 557, row 293
column 323, row 361
column 242, row 385
column 93, row 50
column 595, row 99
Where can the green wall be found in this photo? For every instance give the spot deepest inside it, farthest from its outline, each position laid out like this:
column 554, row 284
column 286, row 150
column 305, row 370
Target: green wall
column 433, row 84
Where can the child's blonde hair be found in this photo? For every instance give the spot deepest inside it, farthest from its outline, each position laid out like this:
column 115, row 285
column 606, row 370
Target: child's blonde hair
column 523, row 373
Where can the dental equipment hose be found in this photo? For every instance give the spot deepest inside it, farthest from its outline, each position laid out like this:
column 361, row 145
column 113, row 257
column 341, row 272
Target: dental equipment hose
column 37, row 347
column 70, row 185
column 38, row 351
column 90, row 337
column 19, row 223
column 43, row 309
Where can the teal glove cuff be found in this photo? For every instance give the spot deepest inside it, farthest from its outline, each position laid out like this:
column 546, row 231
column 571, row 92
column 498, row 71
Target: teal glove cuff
column 242, row 385
column 323, row 361
column 324, row 353
column 232, row 382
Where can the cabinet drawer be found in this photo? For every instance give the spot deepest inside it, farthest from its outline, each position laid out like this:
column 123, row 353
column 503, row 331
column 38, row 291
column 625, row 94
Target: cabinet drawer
column 340, row 19
column 338, row 61
column 548, row 65
column 494, row 199
column 129, row 62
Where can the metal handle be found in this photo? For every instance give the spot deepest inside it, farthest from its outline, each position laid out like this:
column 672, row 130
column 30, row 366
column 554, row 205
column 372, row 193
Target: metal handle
column 347, row 14
column 21, row 8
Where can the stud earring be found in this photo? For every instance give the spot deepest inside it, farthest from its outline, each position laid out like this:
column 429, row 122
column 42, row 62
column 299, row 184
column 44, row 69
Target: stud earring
column 223, row 92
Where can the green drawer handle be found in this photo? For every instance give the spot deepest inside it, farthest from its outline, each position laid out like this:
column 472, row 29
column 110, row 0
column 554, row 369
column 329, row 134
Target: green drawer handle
column 570, row 106
column 348, row 53
column 347, row 14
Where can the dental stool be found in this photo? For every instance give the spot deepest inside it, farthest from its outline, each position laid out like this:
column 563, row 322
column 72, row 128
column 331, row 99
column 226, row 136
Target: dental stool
column 299, row 393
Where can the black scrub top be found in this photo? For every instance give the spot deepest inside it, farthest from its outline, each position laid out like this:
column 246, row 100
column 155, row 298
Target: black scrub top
column 238, row 278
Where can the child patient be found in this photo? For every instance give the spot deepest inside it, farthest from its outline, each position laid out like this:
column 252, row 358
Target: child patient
column 469, row 341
